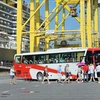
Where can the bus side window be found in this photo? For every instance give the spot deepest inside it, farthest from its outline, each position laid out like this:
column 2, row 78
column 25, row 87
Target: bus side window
column 30, row 62
column 53, row 58
column 24, row 60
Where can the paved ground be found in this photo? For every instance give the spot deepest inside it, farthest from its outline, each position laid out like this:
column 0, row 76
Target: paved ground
column 34, row 90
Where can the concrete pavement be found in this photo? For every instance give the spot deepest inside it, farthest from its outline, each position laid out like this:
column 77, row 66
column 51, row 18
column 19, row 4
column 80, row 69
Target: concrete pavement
column 26, row 90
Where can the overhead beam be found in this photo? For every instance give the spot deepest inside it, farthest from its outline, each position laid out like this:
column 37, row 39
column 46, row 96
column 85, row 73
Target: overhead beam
column 48, row 16
column 63, row 20
column 55, row 15
column 34, row 13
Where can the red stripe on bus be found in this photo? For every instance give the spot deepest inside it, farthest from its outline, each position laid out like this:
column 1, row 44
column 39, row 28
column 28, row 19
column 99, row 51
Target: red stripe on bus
column 51, row 70
column 39, row 67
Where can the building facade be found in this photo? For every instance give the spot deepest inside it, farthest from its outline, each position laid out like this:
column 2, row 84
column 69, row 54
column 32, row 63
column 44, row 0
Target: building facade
column 8, row 15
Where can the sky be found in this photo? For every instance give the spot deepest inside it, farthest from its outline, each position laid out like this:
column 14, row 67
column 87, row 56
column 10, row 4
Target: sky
column 70, row 23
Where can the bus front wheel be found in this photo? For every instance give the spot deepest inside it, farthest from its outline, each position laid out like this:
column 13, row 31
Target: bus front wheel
column 39, row 76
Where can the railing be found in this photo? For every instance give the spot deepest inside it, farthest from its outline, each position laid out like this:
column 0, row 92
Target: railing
column 6, row 63
column 11, row 44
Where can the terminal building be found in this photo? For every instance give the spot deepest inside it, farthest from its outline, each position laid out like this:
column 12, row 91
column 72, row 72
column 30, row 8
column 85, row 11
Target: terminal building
column 8, row 22
column 8, row 15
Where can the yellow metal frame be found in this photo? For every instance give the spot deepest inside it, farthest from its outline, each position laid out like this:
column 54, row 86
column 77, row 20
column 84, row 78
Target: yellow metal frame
column 88, row 24
column 32, row 26
column 19, row 26
column 82, row 23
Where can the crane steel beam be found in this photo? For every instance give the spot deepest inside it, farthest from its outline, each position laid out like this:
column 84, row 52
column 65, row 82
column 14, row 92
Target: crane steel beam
column 63, row 20
column 96, row 22
column 70, row 2
column 89, row 28
column 48, row 16
column 19, row 26
column 82, row 23
column 32, row 26
column 55, row 14
column 34, row 13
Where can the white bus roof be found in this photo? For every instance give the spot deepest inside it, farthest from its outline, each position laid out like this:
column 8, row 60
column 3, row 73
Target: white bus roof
column 51, row 51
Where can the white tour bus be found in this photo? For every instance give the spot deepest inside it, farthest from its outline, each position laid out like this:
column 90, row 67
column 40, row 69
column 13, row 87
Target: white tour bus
column 31, row 65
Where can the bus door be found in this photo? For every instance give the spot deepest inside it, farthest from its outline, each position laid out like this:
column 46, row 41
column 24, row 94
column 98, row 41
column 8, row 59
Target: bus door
column 97, row 57
column 18, row 66
column 25, row 67
column 87, row 59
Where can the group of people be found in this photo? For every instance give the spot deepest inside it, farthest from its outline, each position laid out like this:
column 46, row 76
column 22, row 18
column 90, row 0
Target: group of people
column 59, row 72
column 85, row 73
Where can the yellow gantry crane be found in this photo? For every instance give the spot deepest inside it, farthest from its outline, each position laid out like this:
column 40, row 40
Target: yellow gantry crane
column 88, row 20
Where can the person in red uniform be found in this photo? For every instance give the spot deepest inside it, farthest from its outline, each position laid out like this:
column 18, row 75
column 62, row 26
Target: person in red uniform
column 85, row 70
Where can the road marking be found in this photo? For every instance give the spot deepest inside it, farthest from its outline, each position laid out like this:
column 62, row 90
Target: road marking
column 31, row 91
column 4, row 81
column 5, row 91
column 23, row 88
column 36, row 85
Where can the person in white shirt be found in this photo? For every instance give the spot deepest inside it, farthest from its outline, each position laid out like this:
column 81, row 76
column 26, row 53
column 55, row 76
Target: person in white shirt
column 91, row 70
column 59, row 70
column 12, row 76
column 98, row 72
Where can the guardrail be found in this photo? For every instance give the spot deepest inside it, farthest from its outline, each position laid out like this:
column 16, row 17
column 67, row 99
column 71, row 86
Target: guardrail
column 4, row 67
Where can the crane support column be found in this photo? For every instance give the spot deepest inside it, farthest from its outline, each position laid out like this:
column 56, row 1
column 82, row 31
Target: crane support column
column 19, row 26
column 47, row 43
column 63, row 16
column 55, row 15
column 37, row 43
column 63, row 20
column 37, row 24
column 5, row 1
column 56, row 18
column 32, row 27
column 89, row 24
column 96, row 21
column 82, row 23
column 46, row 15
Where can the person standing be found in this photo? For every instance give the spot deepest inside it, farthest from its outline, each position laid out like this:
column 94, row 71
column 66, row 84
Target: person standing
column 98, row 72
column 85, row 70
column 1, row 63
column 45, row 75
column 59, row 70
column 12, row 76
column 67, row 73
column 91, row 69
column 79, row 75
